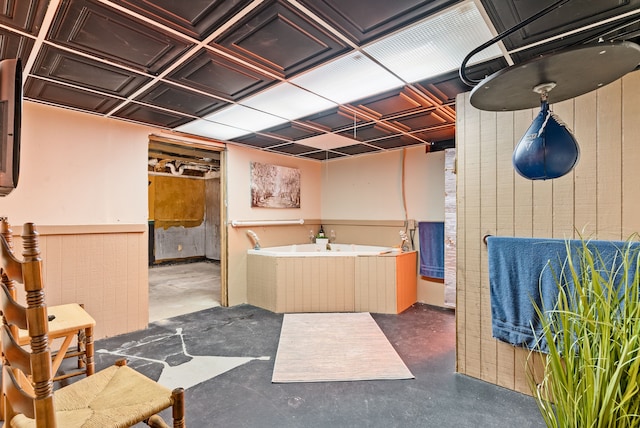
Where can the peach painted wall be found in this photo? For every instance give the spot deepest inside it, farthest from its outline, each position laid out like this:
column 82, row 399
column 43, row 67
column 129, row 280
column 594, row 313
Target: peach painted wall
column 74, row 168
column 75, row 165
column 239, row 208
column 369, row 187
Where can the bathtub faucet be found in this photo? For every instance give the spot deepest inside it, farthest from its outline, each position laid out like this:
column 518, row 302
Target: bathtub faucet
column 254, row 238
column 405, row 241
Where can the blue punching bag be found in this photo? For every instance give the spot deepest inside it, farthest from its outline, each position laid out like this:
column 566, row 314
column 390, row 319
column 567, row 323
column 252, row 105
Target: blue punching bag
column 547, row 150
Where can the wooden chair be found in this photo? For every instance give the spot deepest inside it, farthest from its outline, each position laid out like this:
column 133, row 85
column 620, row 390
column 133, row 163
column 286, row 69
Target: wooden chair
column 117, row 396
column 66, row 323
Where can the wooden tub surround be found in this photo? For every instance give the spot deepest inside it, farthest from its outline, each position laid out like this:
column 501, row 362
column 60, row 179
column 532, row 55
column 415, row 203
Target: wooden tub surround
column 384, row 283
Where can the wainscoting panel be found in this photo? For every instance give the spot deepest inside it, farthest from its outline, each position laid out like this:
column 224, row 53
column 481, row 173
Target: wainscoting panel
column 103, row 267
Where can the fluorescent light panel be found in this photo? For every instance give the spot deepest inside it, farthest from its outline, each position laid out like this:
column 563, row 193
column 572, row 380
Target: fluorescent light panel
column 245, row 118
column 432, row 47
column 349, row 78
column 212, row 130
column 288, row 101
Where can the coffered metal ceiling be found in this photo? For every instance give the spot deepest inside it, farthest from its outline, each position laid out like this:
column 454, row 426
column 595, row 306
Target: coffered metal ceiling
column 319, row 79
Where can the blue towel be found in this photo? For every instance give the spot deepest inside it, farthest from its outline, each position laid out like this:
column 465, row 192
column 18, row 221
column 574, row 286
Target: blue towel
column 431, row 236
column 526, row 270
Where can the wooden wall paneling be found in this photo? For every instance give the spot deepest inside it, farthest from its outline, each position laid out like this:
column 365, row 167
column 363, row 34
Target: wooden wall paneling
column 94, row 301
column 110, row 261
column 606, row 127
column 100, row 270
column 350, row 278
column 473, row 238
column 376, row 295
column 347, row 278
column 266, row 272
column 138, row 273
column 488, row 216
column 630, row 154
column 253, row 289
column 282, row 286
column 361, row 276
column 505, row 142
column 314, row 292
column 321, row 274
column 523, row 188
column 563, row 192
column 84, row 293
column 336, row 268
column 521, row 358
column 115, row 278
column 371, row 294
column 73, row 290
column 283, row 283
column 609, row 170
column 585, row 202
column 348, row 281
column 305, row 271
column 542, row 225
column 297, row 283
column 461, row 318
column 302, row 280
column 52, row 266
column 112, row 254
column 335, row 282
column 332, row 281
column 300, row 283
column 380, row 282
column 374, row 298
column 585, row 177
column 124, row 270
column 257, row 284
column 523, row 227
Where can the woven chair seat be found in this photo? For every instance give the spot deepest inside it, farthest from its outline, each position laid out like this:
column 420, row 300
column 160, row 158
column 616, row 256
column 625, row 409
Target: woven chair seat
column 105, row 400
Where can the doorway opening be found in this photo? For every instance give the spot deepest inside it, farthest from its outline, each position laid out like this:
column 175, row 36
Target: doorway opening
column 186, row 263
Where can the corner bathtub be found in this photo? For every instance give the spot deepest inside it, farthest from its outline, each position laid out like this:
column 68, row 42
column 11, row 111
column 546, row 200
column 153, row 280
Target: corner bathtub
column 347, row 278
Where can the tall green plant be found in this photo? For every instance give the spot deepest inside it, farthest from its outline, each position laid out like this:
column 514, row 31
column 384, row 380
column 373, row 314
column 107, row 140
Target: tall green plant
column 590, row 377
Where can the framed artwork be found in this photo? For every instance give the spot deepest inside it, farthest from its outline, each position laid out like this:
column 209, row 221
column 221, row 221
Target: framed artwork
column 274, row 186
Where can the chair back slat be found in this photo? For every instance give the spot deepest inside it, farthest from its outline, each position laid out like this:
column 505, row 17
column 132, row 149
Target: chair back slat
column 15, row 356
column 16, row 368
column 18, row 401
column 34, row 319
column 14, row 313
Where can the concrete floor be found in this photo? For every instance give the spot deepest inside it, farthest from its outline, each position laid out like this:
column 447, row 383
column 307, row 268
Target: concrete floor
column 225, row 356
column 179, row 289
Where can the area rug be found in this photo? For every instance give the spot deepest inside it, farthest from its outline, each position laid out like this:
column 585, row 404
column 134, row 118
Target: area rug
column 325, row 347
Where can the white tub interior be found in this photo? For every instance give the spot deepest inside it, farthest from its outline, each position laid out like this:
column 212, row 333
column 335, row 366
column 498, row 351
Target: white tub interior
column 301, row 250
